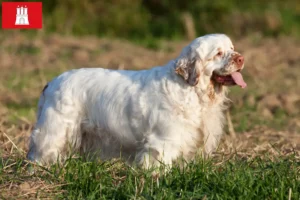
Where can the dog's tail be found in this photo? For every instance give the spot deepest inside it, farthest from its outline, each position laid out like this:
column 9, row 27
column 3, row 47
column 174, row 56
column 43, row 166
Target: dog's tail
column 32, row 150
column 42, row 101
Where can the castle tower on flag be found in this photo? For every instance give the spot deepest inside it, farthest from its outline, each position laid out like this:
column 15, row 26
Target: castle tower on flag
column 22, row 16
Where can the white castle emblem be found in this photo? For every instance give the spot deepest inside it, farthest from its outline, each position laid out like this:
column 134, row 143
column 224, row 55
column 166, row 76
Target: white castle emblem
column 22, row 16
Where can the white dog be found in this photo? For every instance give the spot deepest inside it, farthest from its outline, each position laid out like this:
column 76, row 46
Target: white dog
column 149, row 116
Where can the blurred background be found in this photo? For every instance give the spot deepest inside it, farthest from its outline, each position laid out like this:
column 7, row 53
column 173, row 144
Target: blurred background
column 138, row 34
column 142, row 20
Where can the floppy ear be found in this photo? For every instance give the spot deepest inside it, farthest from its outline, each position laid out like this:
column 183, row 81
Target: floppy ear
column 188, row 69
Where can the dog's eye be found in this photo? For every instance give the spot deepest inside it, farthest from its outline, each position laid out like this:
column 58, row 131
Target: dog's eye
column 220, row 53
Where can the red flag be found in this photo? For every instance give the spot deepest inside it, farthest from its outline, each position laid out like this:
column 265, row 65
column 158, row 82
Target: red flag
column 19, row 15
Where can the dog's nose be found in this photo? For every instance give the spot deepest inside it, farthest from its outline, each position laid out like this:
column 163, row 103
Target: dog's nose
column 239, row 60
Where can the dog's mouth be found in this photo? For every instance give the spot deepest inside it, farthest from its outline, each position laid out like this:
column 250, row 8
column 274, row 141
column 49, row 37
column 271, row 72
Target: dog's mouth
column 234, row 78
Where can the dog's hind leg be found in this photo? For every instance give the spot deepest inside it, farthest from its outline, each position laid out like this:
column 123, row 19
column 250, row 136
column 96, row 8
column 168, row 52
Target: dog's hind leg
column 56, row 132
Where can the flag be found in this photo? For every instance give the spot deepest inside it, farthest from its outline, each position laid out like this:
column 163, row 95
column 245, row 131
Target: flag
column 22, row 15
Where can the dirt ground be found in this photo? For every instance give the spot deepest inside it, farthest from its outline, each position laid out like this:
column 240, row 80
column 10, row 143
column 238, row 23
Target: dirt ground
column 265, row 115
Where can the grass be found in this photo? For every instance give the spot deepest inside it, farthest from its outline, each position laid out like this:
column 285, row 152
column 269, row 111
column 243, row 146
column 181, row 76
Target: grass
column 237, row 178
column 245, row 118
column 153, row 20
column 164, row 19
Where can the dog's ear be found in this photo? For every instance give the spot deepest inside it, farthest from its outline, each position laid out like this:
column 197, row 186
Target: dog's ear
column 189, row 69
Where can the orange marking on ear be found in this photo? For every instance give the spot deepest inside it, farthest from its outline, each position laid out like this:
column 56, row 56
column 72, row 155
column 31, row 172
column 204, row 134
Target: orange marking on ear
column 180, row 71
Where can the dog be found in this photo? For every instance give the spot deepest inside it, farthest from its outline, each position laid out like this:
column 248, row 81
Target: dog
column 146, row 117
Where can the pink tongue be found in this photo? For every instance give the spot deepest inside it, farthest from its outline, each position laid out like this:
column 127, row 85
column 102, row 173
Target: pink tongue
column 238, row 79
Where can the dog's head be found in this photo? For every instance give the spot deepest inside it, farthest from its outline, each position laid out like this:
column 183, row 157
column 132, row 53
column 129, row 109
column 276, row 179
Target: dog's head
column 211, row 56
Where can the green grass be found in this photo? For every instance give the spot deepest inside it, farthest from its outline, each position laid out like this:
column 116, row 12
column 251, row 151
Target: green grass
column 235, row 179
column 245, row 118
column 154, row 19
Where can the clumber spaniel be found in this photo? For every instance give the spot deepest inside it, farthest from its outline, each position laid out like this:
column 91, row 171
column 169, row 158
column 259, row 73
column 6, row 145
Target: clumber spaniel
column 148, row 116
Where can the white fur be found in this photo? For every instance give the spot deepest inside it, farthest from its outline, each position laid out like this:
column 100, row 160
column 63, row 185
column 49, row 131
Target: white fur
column 147, row 116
